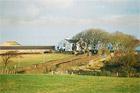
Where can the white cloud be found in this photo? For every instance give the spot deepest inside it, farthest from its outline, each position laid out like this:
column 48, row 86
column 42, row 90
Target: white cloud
column 116, row 21
column 55, row 3
column 18, row 9
column 113, row 1
column 47, row 21
column 23, row 9
column 123, row 21
column 31, row 12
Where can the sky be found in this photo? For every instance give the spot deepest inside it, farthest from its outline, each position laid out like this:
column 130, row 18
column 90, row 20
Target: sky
column 47, row 22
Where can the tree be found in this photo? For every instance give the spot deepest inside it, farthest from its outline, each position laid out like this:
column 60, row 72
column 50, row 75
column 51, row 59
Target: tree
column 123, row 41
column 7, row 56
column 92, row 36
column 119, row 40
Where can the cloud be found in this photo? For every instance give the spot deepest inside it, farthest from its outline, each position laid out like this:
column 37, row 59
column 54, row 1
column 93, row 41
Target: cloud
column 18, row 9
column 31, row 9
column 115, row 21
column 114, row 1
column 123, row 21
column 46, row 21
column 47, row 13
column 55, row 3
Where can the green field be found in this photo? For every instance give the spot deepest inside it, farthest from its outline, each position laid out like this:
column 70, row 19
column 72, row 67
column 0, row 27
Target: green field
column 29, row 59
column 67, row 84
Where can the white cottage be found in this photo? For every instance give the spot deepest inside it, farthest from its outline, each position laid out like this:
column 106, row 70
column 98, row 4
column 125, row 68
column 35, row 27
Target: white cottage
column 67, row 45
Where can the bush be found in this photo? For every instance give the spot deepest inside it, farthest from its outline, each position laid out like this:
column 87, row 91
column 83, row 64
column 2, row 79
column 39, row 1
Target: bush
column 127, row 65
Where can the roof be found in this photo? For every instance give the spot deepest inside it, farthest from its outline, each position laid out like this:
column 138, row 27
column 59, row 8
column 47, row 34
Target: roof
column 26, row 47
column 10, row 43
column 71, row 40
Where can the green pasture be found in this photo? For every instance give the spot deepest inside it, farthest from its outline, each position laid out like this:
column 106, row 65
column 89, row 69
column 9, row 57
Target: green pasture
column 29, row 59
column 67, row 84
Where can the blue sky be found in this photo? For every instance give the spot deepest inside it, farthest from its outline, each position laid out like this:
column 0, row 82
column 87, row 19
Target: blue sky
column 46, row 22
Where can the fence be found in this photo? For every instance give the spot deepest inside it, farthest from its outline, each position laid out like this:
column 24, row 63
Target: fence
column 7, row 71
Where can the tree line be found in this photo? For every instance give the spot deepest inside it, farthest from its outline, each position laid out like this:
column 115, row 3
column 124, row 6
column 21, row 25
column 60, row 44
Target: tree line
column 118, row 39
column 125, row 62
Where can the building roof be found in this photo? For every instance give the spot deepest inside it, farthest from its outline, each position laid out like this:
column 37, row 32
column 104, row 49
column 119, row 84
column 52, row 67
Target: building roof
column 10, row 43
column 72, row 40
column 25, row 47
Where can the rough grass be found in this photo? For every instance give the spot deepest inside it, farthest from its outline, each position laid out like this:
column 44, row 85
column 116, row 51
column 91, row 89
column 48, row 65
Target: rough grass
column 29, row 59
column 67, row 84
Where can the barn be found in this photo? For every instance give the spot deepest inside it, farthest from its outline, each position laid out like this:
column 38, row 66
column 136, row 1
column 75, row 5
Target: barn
column 14, row 46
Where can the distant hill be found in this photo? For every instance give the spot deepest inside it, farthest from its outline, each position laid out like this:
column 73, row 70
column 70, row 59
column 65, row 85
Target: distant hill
column 10, row 43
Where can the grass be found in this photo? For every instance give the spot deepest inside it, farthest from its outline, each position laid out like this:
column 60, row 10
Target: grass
column 29, row 59
column 67, row 84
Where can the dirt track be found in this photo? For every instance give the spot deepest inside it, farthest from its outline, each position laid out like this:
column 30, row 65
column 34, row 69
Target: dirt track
column 58, row 65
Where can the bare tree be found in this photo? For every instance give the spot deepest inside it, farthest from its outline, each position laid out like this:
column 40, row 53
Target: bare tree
column 7, row 56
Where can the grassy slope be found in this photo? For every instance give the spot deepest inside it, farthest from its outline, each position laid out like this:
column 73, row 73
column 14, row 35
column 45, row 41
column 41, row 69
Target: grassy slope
column 29, row 59
column 67, row 84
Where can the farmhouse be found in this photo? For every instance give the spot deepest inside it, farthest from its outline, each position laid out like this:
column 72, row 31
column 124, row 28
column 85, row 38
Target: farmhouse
column 67, row 45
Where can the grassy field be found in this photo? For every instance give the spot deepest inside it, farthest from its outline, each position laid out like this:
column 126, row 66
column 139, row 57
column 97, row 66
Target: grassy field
column 29, row 59
column 67, row 84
